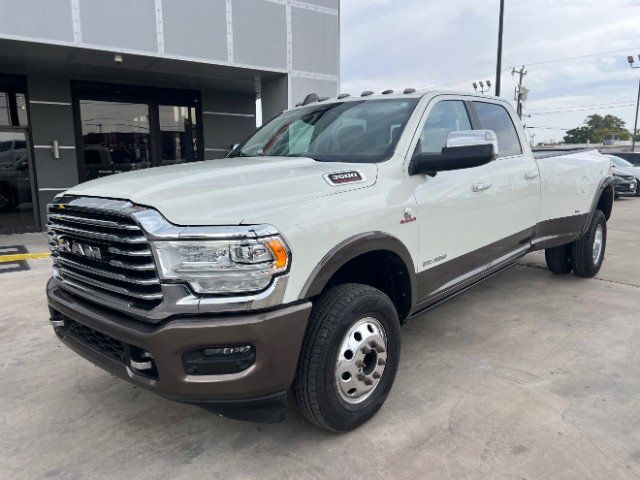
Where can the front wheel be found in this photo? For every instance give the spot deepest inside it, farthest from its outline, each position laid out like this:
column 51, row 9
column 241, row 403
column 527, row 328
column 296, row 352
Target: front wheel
column 349, row 357
column 588, row 252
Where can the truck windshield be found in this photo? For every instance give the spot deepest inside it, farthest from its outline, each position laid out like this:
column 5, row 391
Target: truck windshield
column 365, row 131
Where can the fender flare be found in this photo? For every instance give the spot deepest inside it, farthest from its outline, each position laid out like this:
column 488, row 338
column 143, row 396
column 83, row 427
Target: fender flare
column 351, row 248
column 602, row 186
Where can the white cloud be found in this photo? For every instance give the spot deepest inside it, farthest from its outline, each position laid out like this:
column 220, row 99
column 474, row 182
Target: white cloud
column 451, row 43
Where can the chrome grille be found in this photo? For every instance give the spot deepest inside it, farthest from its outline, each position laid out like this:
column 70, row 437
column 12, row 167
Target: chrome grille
column 103, row 255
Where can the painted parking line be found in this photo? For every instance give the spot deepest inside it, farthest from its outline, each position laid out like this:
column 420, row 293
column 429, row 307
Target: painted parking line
column 13, row 258
column 23, row 256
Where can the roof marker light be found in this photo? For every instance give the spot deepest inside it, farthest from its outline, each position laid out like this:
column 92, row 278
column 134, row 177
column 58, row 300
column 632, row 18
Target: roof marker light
column 409, row 90
column 311, row 98
column 343, row 95
column 387, row 92
column 366, row 93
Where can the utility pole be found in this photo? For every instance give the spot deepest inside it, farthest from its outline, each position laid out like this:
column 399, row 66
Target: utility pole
column 630, row 59
column 635, row 127
column 499, row 63
column 519, row 94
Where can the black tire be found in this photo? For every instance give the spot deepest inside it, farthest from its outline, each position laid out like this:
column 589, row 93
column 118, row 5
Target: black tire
column 584, row 264
column 559, row 259
column 637, row 188
column 315, row 387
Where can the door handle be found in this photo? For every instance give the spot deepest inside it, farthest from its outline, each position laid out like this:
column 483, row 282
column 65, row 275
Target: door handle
column 481, row 186
column 531, row 175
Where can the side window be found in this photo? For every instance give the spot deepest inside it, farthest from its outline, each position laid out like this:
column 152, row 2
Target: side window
column 445, row 117
column 495, row 117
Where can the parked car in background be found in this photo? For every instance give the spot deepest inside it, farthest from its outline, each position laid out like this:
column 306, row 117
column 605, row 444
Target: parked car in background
column 625, row 171
column 631, row 157
column 624, row 185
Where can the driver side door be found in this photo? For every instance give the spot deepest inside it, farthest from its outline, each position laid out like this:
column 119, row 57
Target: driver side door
column 455, row 209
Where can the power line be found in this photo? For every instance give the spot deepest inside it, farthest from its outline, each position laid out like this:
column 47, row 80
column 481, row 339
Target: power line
column 584, row 109
column 548, row 128
column 579, row 56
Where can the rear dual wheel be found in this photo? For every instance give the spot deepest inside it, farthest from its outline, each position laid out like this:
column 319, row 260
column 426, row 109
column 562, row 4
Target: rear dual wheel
column 585, row 255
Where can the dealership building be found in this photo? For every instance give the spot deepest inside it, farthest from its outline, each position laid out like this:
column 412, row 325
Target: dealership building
column 90, row 88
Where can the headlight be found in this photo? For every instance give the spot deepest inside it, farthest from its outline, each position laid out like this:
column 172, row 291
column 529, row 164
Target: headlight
column 223, row 266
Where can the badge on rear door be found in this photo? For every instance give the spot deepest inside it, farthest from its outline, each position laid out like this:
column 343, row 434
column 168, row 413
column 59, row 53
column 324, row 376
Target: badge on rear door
column 340, row 178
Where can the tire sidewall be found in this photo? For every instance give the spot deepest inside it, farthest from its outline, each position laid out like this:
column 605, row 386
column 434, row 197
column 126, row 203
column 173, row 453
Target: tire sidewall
column 342, row 415
column 599, row 219
column 584, row 265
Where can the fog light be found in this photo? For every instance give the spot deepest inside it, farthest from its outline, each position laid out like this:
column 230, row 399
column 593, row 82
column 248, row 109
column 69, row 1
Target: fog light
column 218, row 360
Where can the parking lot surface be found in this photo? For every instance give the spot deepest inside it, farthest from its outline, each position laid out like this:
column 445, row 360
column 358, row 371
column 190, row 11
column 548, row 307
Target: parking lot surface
column 529, row 375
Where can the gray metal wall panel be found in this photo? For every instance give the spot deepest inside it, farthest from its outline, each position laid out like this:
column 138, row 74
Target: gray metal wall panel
column 60, row 173
column 300, row 87
column 129, row 24
column 221, row 101
column 324, row 3
column 52, row 122
column 221, row 132
column 315, row 41
column 49, row 89
column 197, row 28
column 274, row 97
column 260, row 33
column 45, row 19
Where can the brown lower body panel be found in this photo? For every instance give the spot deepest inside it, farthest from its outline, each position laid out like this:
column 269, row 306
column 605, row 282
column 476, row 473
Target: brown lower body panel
column 276, row 336
column 445, row 280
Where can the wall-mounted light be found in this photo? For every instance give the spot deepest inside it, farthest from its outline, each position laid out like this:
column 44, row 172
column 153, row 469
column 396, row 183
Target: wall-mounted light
column 55, row 150
column 117, row 58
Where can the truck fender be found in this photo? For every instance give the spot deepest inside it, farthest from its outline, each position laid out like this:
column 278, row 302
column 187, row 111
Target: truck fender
column 602, row 186
column 348, row 250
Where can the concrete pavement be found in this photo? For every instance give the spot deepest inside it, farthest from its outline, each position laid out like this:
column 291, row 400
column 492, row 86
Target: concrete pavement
column 529, row 375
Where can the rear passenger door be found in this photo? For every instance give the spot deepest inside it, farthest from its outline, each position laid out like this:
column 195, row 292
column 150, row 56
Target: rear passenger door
column 516, row 181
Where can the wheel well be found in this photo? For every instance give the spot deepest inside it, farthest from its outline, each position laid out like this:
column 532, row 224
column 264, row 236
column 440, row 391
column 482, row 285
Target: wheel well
column 605, row 202
column 379, row 269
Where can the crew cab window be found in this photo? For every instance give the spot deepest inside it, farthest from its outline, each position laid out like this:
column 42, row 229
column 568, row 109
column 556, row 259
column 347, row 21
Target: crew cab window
column 446, row 116
column 495, row 117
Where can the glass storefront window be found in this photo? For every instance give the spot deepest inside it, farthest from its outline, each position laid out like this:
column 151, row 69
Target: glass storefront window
column 16, row 201
column 116, row 137
column 21, row 107
column 13, row 110
column 5, row 113
column 178, row 134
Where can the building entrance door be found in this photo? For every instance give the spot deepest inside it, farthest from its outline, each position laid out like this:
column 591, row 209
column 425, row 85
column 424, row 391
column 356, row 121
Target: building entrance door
column 17, row 187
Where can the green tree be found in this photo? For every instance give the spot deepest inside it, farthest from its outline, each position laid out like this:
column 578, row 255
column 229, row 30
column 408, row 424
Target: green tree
column 596, row 127
column 578, row 135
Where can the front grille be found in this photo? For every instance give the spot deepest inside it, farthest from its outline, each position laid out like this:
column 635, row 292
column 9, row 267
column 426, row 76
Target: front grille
column 95, row 340
column 103, row 256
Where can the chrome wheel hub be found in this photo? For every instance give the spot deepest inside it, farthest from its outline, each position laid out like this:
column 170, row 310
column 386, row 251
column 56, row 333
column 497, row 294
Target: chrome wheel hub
column 597, row 244
column 361, row 360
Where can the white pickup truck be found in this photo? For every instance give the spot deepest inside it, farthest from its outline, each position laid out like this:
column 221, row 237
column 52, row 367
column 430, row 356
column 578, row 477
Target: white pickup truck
column 292, row 263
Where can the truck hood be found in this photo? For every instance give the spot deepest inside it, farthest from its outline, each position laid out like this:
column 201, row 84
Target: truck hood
column 226, row 191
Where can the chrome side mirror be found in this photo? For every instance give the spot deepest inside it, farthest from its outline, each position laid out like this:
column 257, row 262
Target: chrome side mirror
column 469, row 138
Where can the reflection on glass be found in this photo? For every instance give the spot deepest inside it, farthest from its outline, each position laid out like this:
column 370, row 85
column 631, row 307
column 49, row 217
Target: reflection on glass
column 16, row 206
column 5, row 112
column 178, row 134
column 115, row 136
column 21, row 107
column 13, row 110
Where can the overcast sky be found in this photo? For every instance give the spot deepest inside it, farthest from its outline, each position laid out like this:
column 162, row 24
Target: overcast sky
column 451, row 43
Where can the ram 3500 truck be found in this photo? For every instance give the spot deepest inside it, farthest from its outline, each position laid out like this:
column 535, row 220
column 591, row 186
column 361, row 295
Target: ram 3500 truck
column 291, row 264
